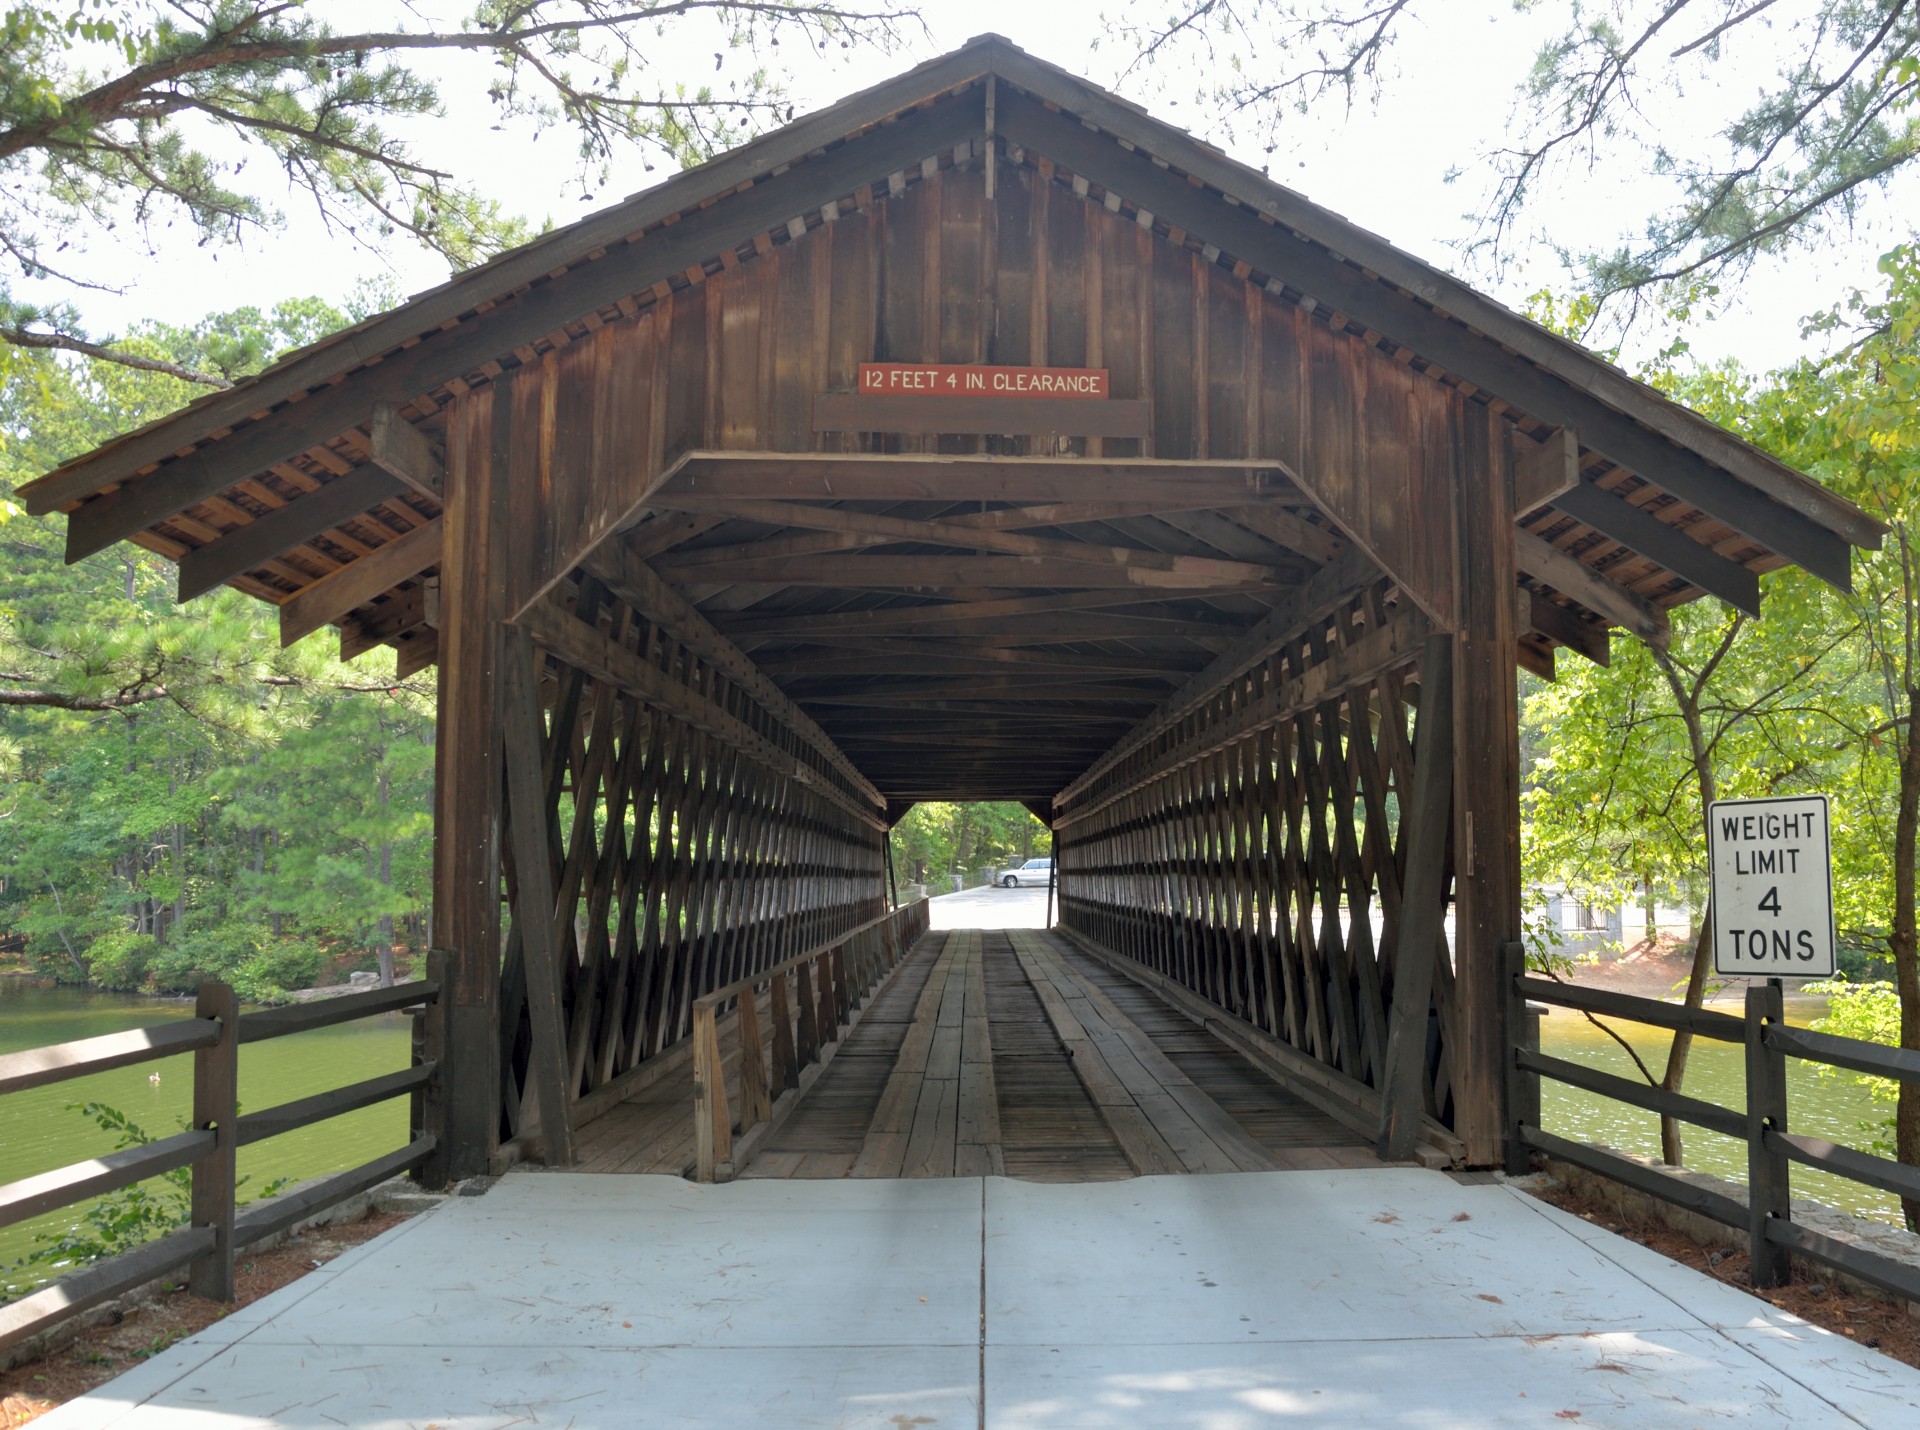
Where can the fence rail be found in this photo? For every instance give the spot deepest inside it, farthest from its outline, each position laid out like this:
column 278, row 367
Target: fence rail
column 218, row 1227
column 1761, row 1122
column 828, row 982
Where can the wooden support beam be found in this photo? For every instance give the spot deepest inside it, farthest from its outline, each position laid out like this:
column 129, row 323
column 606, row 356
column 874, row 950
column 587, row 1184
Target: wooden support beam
column 1565, row 628
column 467, row 782
column 1664, row 544
column 965, row 617
column 380, row 624
column 884, row 656
column 414, row 652
column 1769, row 505
column 1486, row 803
column 1378, row 651
column 526, row 316
column 951, row 695
column 927, row 572
column 534, row 910
column 1078, row 482
column 965, row 536
column 1544, row 471
column 589, row 649
column 636, row 583
column 1423, row 909
column 931, row 685
column 1333, row 584
column 273, row 534
column 397, row 446
column 1580, row 582
column 353, row 585
column 1317, row 543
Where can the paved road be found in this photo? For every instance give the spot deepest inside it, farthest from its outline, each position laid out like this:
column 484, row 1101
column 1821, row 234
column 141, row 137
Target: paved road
column 991, row 908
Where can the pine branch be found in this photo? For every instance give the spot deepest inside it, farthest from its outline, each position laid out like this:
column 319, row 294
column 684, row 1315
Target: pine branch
column 62, row 342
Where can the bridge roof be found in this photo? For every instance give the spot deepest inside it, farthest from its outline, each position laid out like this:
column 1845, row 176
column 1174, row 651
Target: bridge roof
column 316, row 484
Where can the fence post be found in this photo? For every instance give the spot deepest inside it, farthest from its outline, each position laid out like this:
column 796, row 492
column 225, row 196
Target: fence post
column 430, row 1031
column 216, row 1109
column 1523, row 1087
column 1768, row 1193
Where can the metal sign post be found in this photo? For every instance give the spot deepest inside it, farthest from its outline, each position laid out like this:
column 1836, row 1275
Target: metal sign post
column 1772, row 868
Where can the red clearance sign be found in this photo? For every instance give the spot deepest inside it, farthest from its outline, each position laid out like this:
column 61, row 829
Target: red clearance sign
column 908, row 379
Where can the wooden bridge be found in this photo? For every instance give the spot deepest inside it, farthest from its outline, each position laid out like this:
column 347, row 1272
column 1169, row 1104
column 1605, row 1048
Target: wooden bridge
column 979, row 437
column 1002, row 1053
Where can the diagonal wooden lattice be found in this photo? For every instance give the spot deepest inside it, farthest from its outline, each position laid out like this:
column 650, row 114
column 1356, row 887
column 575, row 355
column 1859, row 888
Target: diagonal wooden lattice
column 1256, row 851
column 692, row 837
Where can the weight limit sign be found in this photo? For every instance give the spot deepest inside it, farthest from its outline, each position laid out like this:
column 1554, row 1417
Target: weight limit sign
column 1772, row 886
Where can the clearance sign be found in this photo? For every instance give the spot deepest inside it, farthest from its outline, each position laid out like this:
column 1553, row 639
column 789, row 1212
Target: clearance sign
column 922, row 379
column 1772, row 886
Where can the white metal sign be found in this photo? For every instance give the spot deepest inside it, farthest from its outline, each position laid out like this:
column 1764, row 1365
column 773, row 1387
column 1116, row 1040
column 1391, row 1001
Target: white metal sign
column 1772, row 886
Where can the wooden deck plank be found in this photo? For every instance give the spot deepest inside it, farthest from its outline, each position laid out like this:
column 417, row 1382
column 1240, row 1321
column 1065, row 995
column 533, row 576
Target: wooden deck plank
column 960, row 1067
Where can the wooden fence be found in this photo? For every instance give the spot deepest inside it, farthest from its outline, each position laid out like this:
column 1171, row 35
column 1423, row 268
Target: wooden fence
column 218, row 1227
column 811, row 997
column 1762, row 1123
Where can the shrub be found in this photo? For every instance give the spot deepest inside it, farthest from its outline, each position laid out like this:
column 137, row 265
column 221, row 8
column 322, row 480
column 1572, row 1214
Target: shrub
column 120, row 960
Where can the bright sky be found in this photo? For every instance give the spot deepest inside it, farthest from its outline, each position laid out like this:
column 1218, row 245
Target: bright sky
column 1444, row 107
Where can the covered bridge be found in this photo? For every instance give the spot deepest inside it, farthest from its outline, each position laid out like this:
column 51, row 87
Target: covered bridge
column 979, row 437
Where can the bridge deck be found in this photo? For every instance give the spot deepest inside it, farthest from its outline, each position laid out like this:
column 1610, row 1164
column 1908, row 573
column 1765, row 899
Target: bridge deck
column 1006, row 1052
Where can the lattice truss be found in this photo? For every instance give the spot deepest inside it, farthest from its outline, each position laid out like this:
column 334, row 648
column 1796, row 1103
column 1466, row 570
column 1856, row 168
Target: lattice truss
column 690, row 837
column 1256, row 851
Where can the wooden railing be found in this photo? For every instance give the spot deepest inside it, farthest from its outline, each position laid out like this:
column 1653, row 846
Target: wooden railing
column 1767, row 1215
column 809, row 999
column 218, row 1227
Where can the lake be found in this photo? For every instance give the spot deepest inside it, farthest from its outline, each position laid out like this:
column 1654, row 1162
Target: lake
column 39, row 1133
column 1834, row 1107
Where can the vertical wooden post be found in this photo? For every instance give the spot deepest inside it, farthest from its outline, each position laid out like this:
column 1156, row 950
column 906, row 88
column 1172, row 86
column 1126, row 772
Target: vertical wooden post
column 432, row 1120
column 827, row 1027
column 216, row 1108
column 1769, row 1197
column 1423, row 897
column 466, row 793
column 1486, row 831
column 547, row 1067
column 755, row 1103
column 809, row 1013
column 1523, row 1087
column 786, row 1068
column 712, row 1123
column 842, row 990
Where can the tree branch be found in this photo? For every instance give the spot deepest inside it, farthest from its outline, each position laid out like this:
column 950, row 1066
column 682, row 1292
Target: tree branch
column 61, row 342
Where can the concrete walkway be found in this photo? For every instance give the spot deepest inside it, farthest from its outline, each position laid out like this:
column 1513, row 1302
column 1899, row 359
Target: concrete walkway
column 1395, row 1297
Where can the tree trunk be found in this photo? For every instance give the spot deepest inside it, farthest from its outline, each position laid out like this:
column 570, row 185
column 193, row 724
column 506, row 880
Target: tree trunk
column 1901, row 943
column 383, row 949
column 1686, row 699
column 1676, row 1075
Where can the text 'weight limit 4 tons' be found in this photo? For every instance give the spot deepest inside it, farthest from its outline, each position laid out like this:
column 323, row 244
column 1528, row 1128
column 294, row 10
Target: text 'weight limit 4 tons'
column 1772, row 868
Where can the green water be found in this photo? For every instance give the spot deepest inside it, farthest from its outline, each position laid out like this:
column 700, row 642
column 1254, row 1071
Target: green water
column 39, row 1133
column 1830, row 1107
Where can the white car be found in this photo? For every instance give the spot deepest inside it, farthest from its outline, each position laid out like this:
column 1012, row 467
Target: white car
column 1034, row 871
